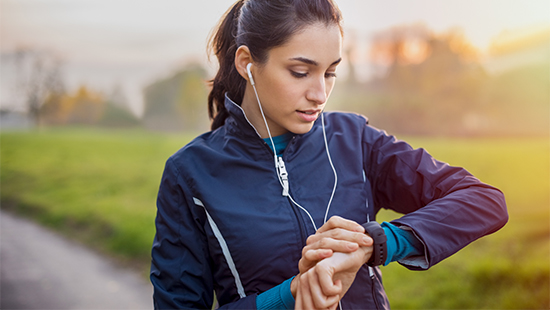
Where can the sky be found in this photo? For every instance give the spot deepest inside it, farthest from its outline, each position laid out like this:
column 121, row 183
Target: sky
column 128, row 44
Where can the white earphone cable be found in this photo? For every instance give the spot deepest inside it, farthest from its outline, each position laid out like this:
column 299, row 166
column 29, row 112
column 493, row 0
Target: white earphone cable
column 331, row 165
column 304, row 209
column 277, row 166
column 280, row 166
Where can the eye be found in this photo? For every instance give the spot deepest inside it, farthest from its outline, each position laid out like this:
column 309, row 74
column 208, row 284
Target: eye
column 298, row 75
column 330, row 75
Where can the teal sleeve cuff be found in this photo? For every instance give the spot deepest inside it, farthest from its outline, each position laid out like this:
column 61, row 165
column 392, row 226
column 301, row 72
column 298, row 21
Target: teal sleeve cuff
column 278, row 297
column 286, row 294
column 391, row 243
column 401, row 243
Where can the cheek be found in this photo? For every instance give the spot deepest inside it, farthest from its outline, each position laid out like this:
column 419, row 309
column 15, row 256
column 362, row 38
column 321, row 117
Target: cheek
column 329, row 86
column 285, row 91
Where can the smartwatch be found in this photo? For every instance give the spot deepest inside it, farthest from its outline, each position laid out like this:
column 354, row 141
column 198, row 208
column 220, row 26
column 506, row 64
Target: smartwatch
column 376, row 232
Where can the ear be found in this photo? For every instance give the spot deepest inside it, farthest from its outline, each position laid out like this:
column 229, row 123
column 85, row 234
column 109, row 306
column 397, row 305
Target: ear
column 242, row 59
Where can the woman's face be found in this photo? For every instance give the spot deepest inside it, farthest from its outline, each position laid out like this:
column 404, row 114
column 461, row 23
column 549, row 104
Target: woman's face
column 295, row 82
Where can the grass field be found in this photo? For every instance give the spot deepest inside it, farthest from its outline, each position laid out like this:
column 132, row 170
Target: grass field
column 100, row 187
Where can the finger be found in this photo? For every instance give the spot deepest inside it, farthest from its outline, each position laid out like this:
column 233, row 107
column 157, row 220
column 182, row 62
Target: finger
column 338, row 284
column 305, row 301
column 320, row 300
column 338, row 234
column 333, row 307
column 325, row 279
column 312, row 257
column 298, row 300
column 317, row 254
column 300, row 292
column 335, row 245
column 339, row 222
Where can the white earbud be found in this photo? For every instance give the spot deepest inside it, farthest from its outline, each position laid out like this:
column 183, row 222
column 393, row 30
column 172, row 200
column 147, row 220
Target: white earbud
column 250, row 73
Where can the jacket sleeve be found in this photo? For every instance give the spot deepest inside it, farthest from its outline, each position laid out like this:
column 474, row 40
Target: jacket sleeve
column 181, row 266
column 446, row 207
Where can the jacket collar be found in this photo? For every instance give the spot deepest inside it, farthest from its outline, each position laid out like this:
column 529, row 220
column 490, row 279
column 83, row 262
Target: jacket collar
column 237, row 122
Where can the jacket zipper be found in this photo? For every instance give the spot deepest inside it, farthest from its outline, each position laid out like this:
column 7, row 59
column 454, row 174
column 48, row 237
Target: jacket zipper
column 373, row 278
column 297, row 214
column 301, row 223
column 300, row 220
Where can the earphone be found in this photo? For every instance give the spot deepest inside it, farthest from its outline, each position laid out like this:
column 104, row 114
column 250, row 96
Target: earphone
column 280, row 164
column 250, row 73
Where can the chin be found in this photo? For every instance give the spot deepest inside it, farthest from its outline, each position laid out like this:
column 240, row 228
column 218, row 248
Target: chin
column 301, row 129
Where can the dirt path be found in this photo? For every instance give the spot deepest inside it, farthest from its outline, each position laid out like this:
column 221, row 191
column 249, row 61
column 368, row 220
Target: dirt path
column 41, row 270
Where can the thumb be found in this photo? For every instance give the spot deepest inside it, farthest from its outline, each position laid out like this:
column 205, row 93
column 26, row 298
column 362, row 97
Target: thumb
column 325, row 275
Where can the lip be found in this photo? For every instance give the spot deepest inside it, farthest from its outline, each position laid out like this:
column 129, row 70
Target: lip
column 309, row 115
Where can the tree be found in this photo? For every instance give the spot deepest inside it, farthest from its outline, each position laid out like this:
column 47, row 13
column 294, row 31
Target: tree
column 401, row 45
column 39, row 78
column 117, row 112
column 83, row 107
column 433, row 83
column 178, row 102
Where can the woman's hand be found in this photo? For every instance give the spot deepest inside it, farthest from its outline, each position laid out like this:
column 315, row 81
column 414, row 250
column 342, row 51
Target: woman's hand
column 337, row 273
column 336, row 235
column 311, row 297
column 322, row 286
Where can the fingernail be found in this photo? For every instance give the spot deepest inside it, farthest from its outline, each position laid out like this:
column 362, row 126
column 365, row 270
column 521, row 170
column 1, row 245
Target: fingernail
column 353, row 246
column 366, row 240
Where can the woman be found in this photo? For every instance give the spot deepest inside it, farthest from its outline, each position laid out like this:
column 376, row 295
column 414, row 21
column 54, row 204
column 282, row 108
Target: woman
column 265, row 209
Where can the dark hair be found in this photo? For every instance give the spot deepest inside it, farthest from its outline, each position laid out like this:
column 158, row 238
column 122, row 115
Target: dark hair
column 261, row 25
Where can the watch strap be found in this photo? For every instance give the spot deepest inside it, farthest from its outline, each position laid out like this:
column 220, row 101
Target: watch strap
column 379, row 253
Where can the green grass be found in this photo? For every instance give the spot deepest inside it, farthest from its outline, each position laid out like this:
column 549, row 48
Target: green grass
column 97, row 186
column 100, row 187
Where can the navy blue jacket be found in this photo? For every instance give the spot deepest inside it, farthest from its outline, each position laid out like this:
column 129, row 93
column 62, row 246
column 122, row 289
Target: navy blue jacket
column 224, row 226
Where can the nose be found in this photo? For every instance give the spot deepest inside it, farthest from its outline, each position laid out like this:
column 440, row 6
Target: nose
column 317, row 92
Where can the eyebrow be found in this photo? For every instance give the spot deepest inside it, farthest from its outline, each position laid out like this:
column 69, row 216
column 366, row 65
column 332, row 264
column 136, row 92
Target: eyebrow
column 313, row 62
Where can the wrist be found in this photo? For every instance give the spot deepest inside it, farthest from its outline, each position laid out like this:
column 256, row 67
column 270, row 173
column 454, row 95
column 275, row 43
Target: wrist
column 294, row 286
column 367, row 252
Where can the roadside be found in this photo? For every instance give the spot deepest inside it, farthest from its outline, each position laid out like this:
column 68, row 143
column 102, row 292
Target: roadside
column 41, row 270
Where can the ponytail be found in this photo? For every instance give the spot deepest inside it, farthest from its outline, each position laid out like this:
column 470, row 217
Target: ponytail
column 228, row 79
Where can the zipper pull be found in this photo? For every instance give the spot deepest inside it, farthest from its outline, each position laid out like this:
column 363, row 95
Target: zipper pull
column 283, row 174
